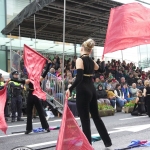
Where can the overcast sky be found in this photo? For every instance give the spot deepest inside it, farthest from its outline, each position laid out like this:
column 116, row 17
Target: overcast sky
column 139, row 1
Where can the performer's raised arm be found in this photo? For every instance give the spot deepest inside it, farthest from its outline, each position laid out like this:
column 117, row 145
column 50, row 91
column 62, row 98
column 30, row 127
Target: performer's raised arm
column 46, row 71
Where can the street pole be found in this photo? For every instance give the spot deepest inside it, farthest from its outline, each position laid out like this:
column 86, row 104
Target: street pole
column 64, row 27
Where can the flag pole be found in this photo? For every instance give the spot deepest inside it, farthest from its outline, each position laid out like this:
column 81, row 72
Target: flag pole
column 20, row 38
column 122, row 55
column 20, row 50
column 64, row 24
column 10, row 54
column 35, row 31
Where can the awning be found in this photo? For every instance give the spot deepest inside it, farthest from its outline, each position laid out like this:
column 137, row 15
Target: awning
column 84, row 19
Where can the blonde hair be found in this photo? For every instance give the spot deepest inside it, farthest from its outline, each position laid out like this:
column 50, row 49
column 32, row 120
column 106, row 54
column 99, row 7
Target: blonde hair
column 147, row 83
column 88, row 45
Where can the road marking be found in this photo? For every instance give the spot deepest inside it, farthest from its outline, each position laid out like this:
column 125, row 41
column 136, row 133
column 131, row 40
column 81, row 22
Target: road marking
column 132, row 118
column 11, row 135
column 41, row 144
column 59, row 120
column 136, row 128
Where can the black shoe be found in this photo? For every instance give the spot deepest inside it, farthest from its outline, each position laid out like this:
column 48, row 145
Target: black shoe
column 48, row 130
column 19, row 119
column 28, row 131
column 13, row 120
column 108, row 144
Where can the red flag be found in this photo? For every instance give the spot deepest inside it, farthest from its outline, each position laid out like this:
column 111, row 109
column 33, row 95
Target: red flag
column 129, row 25
column 70, row 135
column 3, row 125
column 34, row 63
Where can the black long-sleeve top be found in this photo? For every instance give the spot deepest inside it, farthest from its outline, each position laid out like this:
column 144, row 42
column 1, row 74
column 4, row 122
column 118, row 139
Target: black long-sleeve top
column 79, row 76
column 102, row 67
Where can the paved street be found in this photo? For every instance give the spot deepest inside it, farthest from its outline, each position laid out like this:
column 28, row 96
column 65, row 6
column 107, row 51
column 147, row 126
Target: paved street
column 118, row 126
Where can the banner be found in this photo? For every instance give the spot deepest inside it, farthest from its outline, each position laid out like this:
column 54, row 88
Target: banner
column 34, row 63
column 3, row 124
column 129, row 26
column 70, row 135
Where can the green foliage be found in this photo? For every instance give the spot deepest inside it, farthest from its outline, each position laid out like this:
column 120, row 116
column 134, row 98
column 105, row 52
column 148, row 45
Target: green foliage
column 104, row 107
column 130, row 104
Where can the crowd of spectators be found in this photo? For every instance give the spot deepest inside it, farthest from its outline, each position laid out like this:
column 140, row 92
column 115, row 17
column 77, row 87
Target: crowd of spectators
column 116, row 85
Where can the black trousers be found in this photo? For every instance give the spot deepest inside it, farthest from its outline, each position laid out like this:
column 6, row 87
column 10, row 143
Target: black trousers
column 31, row 101
column 6, row 113
column 87, row 103
column 16, row 106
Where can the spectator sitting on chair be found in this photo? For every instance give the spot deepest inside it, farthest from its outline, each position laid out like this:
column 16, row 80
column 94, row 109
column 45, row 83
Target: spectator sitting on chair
column 131, row 79
column 114, row 83
column 102, row 95
column 122, row 81
column 133, row 90
column 140, row 85
column 119, row 96
column 110, row 84
column 103, row 82
column 97, row 82
column 125, row 92
column 111, row 96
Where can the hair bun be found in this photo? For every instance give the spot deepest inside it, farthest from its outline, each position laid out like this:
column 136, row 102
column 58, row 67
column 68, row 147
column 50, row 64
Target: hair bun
column 90, row 43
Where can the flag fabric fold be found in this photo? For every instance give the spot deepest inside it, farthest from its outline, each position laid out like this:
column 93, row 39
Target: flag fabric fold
column 34, row 63
column 129, row 26
column 70, row 135
column 3, row 124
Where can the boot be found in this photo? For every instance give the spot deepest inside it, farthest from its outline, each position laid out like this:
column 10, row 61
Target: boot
column 28, row 131
column 48, row 130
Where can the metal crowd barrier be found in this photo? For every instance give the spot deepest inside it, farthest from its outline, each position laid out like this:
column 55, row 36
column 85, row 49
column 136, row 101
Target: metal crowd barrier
column 52, row 85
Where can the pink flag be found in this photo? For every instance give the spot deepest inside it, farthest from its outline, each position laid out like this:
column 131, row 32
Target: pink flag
column 71, row 136
column 34, row 63
column 3, row 125
column 129, row 26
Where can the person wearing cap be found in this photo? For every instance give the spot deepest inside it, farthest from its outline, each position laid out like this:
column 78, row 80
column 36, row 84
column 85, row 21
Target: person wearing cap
column 16, row 98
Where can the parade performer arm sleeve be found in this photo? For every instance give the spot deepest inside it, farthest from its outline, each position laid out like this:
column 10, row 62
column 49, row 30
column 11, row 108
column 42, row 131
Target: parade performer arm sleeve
column 102, row 67
column 22, row 81
column 46, row 71
column 78, row 79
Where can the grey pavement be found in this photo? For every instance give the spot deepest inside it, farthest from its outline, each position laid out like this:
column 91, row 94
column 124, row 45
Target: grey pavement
column 123, row 128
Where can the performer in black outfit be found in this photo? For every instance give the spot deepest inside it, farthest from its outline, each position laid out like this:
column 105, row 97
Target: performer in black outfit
column 139, row 106
column 34, row 100
column 86, row 94
column 147, row 96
